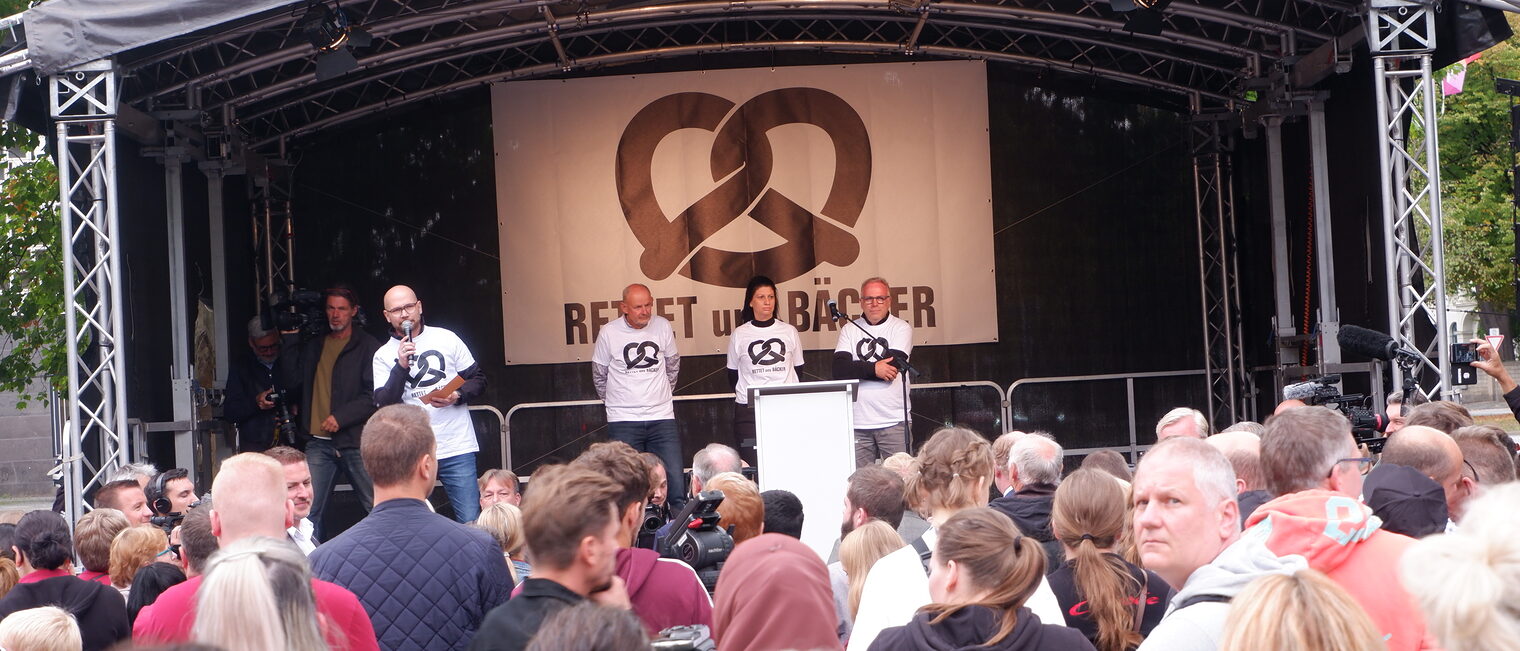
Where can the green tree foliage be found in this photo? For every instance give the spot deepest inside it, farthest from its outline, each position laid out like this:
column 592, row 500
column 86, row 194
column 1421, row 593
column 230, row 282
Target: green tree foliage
column 31, row 271
column 1476, row 191
column 31, row 263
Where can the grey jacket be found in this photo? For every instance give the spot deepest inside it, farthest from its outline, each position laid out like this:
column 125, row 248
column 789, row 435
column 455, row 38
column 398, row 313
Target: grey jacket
column 1195, row 619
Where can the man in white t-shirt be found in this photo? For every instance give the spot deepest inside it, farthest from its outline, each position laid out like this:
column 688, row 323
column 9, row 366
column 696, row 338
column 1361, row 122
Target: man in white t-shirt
column 871, row 353
column 419, row 370
column 634, row 366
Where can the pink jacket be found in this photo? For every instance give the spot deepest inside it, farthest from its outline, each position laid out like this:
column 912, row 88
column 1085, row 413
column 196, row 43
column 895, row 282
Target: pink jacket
column 1339, row 536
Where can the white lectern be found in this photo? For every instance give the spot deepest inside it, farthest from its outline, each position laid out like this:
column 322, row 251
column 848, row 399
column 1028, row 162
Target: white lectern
column 805, row 443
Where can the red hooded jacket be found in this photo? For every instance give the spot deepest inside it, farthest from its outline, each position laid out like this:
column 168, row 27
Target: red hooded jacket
column 1339, row 536
column 664, row 592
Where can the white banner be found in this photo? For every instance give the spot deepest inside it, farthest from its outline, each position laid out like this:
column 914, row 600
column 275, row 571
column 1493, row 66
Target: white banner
column 693, row 182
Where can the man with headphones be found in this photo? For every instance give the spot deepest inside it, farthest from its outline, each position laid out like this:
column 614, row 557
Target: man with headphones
column 171, row 492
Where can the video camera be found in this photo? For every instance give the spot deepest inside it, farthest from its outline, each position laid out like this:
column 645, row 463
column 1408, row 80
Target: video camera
column 1366, row 424
column 284, row 417
column 303, row 310
column 696, row 540
column 682, row 638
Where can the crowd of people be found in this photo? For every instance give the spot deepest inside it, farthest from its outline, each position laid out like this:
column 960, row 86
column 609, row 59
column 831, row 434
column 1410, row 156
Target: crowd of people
column 1016, row 550
column 1292, row 534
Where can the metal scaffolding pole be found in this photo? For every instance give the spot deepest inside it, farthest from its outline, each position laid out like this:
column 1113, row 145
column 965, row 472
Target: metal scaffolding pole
column 1214, row 204
column 273, row 237
column 83, row 101
column 1402, row 37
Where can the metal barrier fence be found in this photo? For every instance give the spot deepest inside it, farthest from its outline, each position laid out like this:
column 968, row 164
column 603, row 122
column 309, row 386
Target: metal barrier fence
column 1095, row 386
column 972, row 413
column 1021, row 406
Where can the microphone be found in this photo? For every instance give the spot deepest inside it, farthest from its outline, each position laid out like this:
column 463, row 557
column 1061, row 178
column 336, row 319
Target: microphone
column 1370, row 343
column 834, row 310
column 1313, row 390
column 406, row 329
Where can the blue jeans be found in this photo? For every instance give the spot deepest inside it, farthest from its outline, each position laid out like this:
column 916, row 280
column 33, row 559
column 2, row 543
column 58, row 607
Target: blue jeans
column 660, row 438
column 457, row 473
column 325, row 462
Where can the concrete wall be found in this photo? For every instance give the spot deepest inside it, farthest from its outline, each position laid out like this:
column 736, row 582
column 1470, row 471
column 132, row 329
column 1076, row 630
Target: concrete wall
column 26, row 448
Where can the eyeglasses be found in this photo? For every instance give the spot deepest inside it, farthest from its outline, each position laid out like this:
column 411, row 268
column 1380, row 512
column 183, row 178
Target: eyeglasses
column 873, row 299
column 1363, row 464
column 173, row 549
column 402, row 309
column 1469, row 465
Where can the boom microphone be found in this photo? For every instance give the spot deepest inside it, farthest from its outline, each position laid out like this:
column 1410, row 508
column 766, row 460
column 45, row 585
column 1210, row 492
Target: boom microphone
column 1371, row 343
column 834, row 310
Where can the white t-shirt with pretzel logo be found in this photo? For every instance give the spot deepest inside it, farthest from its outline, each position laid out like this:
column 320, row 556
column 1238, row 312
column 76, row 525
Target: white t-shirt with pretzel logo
column 440, row 357
column 878, row 404
column 764, row 356
column 637, row 386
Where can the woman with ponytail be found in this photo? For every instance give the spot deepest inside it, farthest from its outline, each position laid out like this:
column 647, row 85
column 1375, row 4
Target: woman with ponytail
column 762, row 351
column 952, row 473
column 1101, row 593
column 982, row 574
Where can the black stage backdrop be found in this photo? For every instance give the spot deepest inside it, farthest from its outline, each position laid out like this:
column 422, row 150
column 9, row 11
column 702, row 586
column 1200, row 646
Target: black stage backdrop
column 1095, row 243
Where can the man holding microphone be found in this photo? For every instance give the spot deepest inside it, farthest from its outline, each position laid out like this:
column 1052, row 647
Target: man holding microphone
column 430, row 367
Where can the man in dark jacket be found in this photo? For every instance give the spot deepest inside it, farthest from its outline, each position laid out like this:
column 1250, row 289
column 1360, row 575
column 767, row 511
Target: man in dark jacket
column 426, row 580
column 665, row 592
column 333, row 377
column 570, row 521
column 43, row 548
column 248, row 403
column 1034, row 471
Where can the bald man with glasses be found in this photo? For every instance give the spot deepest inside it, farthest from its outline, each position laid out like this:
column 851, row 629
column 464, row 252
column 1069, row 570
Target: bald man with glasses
column 873, row 353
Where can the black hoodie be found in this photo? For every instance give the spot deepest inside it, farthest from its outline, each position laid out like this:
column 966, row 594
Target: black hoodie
column 101, row 611
column 969, row 627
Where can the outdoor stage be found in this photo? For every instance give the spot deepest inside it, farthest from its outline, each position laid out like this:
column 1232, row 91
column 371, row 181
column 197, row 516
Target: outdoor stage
column 1153, row 217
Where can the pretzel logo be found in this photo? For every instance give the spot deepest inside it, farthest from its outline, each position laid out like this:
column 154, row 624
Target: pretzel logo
column 871, row 350
column 741, row 164
column 763, row 352
column 636, row 357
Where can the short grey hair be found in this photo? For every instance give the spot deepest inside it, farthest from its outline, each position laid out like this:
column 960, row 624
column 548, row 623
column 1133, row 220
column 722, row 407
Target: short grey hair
column 1037, row 459
column 1301, row 446
column 1415, row 399
column 872, row 280
column 256, row 329
column 132, row 471
column 1212, row 472
column 1246, row 426
column 1180, row 413
column 713, row 460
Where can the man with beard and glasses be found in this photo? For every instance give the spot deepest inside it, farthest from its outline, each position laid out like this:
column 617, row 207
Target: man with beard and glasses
column 430, row 367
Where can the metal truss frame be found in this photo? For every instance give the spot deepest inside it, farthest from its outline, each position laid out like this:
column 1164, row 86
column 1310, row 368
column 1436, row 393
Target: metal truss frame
column 273, row 233
column 262, row 73
column 83, row 101
column 1214, row 206
column 1402, row 36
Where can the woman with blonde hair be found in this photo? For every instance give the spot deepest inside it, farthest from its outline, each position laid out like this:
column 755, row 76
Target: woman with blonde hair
column 1468, row 582
column 133, row 549
column 46, row 628
column 257, row 595
column 1101, row 594
column 503, row 521
column 1303, row 611
column 952, row 473
column 860, row 550
column 982, row 574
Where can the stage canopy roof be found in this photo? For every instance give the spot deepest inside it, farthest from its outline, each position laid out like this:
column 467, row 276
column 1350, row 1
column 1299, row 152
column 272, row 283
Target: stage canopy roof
column 251, row 62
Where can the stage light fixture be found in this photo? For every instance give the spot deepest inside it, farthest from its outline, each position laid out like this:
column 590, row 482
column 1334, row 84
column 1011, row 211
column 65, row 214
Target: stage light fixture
column 333, row 34
column 1146, row 18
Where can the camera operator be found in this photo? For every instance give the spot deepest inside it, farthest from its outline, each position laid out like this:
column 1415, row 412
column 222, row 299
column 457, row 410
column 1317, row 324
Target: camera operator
column 331, row 376
column 657, row 508
column 170, row 493
column 665, row 592
column 248, row 404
